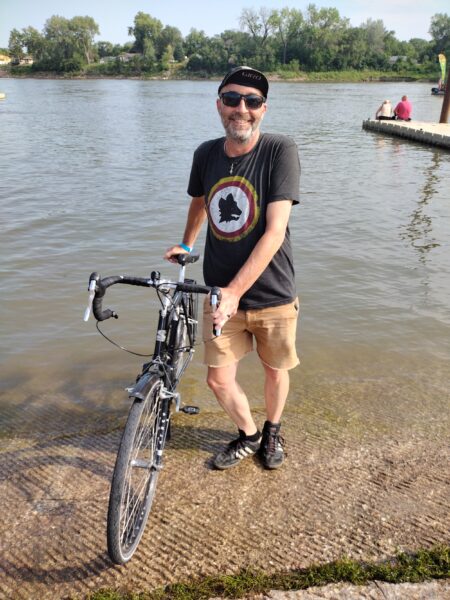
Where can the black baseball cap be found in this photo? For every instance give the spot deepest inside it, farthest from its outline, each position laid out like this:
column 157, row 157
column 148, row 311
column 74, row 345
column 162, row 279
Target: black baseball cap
column 246, row 76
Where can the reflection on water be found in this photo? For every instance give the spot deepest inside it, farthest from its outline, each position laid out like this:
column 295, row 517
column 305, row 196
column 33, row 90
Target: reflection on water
column 419, row 229
column 94, row 178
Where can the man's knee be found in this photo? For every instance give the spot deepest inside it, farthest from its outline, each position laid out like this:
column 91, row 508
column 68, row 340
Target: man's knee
column 217, row 380
column 275, row 375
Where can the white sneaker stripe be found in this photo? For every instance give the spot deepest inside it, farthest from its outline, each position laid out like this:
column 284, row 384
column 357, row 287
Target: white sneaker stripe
column 244, row 452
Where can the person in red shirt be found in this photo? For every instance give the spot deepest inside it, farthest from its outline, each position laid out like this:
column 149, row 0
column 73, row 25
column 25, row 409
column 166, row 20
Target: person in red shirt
column 403, row 109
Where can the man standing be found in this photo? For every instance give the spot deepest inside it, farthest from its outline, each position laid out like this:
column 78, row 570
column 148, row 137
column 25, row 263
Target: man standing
column 245, row 184
column 403, row 109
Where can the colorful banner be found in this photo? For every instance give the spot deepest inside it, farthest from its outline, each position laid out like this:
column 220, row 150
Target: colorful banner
column 442, row 62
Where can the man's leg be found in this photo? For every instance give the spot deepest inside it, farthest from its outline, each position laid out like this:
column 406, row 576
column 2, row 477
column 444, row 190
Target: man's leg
column 222, row 381
column 231, row 397
column 275, row 391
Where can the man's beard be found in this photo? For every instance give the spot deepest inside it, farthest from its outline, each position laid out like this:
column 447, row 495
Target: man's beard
column 239, row 135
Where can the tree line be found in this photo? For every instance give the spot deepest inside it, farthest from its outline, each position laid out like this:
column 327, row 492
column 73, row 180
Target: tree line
column 313, row 40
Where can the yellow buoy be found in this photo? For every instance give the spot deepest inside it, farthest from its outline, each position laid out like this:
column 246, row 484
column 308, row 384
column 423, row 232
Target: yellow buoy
column 2, row 95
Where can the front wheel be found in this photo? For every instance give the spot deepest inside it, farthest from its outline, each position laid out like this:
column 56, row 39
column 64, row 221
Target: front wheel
column 136, row 472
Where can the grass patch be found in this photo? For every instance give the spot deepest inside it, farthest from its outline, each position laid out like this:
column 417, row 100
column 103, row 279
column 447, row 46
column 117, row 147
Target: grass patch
column 420, row 566
column 119, row 70
column 353, row 76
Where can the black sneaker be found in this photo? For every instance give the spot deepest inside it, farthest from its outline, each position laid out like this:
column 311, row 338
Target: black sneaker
column 236, row 450
column 271, row 450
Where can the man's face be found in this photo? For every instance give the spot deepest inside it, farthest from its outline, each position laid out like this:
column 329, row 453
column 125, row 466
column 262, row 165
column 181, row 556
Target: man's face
column 240, row 123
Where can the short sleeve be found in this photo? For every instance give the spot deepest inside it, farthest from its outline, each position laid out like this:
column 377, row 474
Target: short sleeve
column 285, row 176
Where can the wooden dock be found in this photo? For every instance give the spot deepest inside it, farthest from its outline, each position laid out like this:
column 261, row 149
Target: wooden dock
column 432, row 134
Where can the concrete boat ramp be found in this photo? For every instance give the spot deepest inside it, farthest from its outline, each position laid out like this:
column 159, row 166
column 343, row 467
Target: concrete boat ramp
column 359, row 484
column 432, row 134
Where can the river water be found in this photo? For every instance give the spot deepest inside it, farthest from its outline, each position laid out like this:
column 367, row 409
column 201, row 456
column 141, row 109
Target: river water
column 93, row 176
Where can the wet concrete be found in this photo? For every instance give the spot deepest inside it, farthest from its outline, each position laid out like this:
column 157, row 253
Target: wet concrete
column 355, row 484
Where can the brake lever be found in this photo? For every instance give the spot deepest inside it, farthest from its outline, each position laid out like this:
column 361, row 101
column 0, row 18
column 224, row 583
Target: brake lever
column 92, row 288
column 215, row 297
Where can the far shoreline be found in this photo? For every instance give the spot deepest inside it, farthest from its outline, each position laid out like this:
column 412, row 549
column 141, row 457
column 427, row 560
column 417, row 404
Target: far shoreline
column 318, row 77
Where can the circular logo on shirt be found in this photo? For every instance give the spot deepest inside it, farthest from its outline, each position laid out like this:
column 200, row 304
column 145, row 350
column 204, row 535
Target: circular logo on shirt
column 233, row 208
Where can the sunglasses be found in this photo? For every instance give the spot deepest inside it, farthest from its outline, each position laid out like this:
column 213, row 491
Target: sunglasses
column 233, row 99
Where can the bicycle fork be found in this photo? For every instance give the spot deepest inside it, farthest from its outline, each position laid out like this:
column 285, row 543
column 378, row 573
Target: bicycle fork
column 163, row 430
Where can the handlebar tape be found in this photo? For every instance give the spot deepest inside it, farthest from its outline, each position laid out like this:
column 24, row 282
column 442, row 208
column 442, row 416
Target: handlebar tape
column 193, row 287
column 103, row 284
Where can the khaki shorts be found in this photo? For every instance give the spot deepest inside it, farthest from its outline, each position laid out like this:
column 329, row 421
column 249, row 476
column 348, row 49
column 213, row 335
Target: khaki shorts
column 274, row 330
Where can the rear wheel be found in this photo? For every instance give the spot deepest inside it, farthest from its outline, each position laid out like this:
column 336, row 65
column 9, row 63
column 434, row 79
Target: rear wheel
column 136, row 472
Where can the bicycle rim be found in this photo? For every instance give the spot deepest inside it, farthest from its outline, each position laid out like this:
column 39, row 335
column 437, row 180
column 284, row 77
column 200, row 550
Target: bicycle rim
column 135, row 474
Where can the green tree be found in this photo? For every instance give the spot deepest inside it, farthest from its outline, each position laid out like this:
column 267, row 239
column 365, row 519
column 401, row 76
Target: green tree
column 238, row 47
column 105, row 49
column 287, row 24
column 145, row 27
column 210, row 54
column 34, row 41
column 58, row 46
column 259, row 23
column 378, row 38
column 149, row 60
column 321, row 37
column 353, row 50
column 440, row 32
column 16, row 44
column 167, row 58
column 195, row 42
column 83, row 30
column 421, row 49
column 27, row 41
column 171, row 36
column 375, row 32
column 66, row 44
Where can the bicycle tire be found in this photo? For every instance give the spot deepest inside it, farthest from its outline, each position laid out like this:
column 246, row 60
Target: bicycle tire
column 136, row 473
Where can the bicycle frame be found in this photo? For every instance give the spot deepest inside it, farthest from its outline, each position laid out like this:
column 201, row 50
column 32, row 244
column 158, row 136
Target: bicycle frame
column 173, row 306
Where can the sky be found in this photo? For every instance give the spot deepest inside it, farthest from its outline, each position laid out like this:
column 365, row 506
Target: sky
column 407, row 18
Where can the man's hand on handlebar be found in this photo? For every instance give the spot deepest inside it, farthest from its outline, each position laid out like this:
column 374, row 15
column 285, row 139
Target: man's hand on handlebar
column 226, row 309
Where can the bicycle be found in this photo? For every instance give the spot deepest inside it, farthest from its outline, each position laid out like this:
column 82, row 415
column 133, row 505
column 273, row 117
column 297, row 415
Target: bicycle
column 154, row 395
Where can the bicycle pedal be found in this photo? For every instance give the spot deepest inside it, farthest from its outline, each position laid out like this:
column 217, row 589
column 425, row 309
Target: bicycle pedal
column 190, row 410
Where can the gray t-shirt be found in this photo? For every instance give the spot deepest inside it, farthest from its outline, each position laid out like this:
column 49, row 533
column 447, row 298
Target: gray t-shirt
column 237, row 192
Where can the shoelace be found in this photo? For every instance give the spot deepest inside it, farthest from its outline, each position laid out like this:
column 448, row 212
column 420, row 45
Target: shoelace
column 274, row 440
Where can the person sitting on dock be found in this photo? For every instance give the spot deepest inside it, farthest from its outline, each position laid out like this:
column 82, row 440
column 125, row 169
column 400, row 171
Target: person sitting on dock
column 403, row 109
column 384, row 113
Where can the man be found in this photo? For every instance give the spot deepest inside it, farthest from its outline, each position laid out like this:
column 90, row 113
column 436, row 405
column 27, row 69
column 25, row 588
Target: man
column 384, row 113
column 245, row 184
column 403, row 109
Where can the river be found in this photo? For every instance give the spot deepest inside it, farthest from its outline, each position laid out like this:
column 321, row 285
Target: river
column 93, row 176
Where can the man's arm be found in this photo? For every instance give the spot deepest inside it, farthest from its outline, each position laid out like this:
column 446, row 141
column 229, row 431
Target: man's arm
column 195, row 219
column 277, row 218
